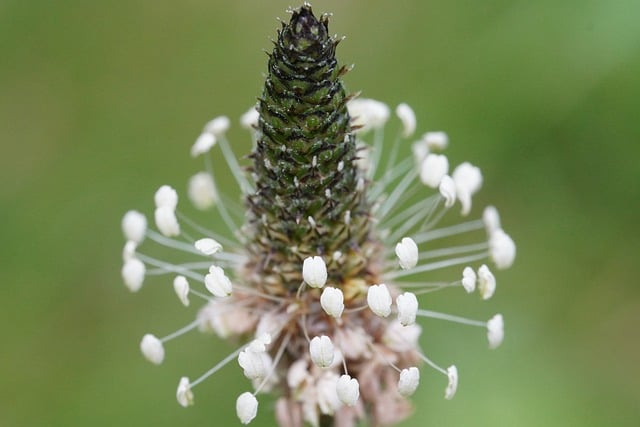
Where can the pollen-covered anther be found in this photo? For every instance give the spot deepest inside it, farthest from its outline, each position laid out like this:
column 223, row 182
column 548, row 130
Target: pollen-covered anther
column 322, row 351
column 181, row 287
column 184, row 395
column 166, row 196
column 491, row 219
column 408, row 382
column 314, row 272
column 486, row 282
column 202, row 191
column 332, row 301
column 217, row 282
column 249, row 120
column 203, row 144
column 367, row 114
column 469, row 279
column 407, row 253
column 246, row 407
column 452, row 386
column 152, row 349
column 134, row 226
column 348, row 390
column 447, row 189
column 208, row 246
column 133, row 272
column 468, row 180
column 255, row 364
column 495, row 331
column 379, row 300
column 407, row 304
column 436, row 140
column 217, row 126
column 166, row 221
column 502, row 249
column 434, row 167
column 408, row 119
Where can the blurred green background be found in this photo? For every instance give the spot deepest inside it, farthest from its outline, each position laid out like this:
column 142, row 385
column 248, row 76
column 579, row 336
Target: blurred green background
column 101, row 101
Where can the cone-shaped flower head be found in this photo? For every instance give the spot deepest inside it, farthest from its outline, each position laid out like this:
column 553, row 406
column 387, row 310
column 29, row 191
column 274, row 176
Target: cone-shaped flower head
column 332, row 223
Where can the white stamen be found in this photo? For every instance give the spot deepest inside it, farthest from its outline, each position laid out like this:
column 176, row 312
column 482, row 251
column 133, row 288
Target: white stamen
column 259, row 345
column 321, row 351
column 217, row 126
column 502, row 249
column 408, row 119
column 379, row 300
column 202, row 190
column 450, row 391
column 134, row 226
column 181, row 287
column 436, row 140
column 208, row 246
column 332, row 301
column 246, row 407
column 133, row 272
column 314, row 272
column 433, row 169
column 184, row 393
column 469, row 279
column 249, row 120
column 468, row 180
column 407, row 253
column 367, row 113
column 152, row 349
column 486, row 282
column 166, row 196
column 491, row 219
column 203, row 144
column 166, row 221
column 408, row 382
column 407, row 304
column 255, row 364
column 348, row 390
column 495, row 331
column 447, row 189
column 217, row 282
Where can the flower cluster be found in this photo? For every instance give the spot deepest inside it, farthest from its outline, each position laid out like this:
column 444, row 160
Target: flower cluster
column 326, row 281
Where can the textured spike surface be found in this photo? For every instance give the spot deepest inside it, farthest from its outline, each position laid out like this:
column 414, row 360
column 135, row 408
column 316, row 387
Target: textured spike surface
column 304, row 164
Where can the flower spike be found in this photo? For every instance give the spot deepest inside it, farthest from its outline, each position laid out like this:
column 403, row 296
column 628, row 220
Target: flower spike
column 318, row 280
